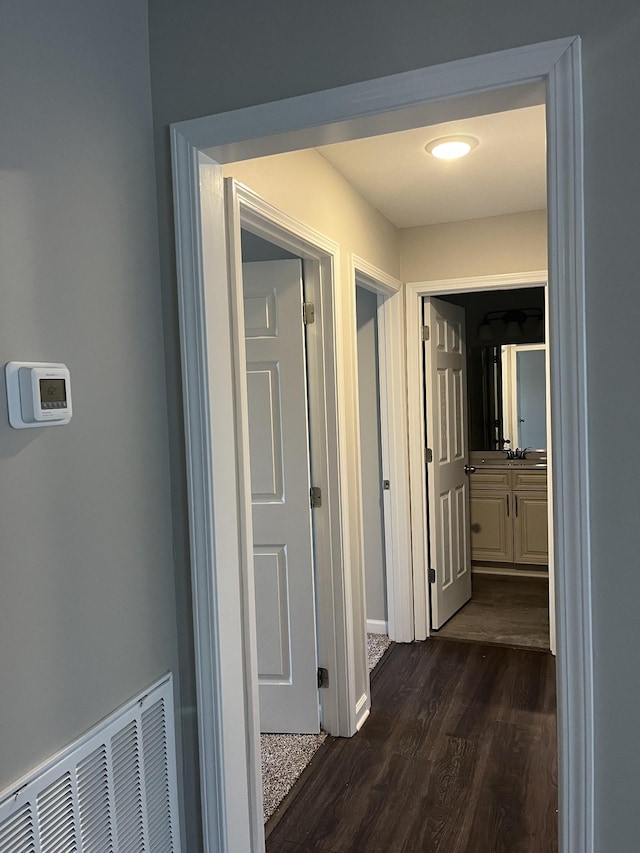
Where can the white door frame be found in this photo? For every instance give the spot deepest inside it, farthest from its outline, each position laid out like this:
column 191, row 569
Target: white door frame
column 321, row 256
column 393, row 103
column 394, row 439
column 417, row 437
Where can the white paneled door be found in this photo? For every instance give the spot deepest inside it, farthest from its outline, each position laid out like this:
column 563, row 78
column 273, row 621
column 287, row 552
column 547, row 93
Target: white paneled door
column 446, row 433
column 280, row 496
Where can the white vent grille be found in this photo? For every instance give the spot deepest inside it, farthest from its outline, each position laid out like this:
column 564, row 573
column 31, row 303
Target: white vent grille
column 156, row 778
column 17, row 834
column 94, row 803
column 113, row 791
column 56, row 819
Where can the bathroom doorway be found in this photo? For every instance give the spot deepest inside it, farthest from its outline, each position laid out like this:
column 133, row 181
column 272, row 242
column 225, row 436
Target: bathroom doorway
column 488, row 538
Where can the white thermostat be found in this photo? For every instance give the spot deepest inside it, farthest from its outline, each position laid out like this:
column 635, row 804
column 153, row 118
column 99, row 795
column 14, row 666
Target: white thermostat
column 38, row 394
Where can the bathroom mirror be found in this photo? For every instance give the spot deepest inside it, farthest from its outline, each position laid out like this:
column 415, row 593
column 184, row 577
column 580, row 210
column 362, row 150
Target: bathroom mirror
column 505, row 368
column 507, row 397
column 484, row 398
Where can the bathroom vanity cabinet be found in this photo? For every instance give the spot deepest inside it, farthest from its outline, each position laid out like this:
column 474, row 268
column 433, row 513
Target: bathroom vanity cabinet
column 508, row 509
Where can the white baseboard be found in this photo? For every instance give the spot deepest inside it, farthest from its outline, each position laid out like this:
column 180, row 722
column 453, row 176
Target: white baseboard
column 500, row 570
column 363, row 708
column 362, row 719
column 377, row 626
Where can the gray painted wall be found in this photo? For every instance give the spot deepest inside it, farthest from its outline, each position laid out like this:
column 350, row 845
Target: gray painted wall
column 87, row 609
column 209, row 57
column 256, row 249
column 370, row 459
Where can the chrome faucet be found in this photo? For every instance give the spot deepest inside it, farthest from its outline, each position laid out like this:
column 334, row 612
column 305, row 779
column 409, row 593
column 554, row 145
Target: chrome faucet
column 517, row 453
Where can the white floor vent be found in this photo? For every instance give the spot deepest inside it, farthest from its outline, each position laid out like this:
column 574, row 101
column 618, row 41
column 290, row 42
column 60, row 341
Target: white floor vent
column 113, row 791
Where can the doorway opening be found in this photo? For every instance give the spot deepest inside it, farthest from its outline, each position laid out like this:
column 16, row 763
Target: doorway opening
column 282, row 520
column 199, row 148
column 373, row 481
column 281, row 294
column 497, row 510
column 371, row 467
column 384, row 480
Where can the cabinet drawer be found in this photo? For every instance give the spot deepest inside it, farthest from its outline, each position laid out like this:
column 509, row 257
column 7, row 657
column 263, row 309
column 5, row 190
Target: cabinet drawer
column 530, row 480
column 489, row 480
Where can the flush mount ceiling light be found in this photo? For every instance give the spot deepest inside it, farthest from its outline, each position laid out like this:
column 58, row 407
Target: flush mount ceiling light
column 451, row 147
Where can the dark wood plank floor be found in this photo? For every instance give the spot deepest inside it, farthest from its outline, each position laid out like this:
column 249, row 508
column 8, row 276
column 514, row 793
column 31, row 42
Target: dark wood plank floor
column 458, row 756
column 508, row 610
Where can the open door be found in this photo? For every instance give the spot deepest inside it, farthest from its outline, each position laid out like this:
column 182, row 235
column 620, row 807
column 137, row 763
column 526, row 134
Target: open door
column 280, row 496
column 446, row 436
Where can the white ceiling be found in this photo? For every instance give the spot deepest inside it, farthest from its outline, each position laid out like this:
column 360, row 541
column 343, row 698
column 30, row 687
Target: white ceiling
column 506, row 173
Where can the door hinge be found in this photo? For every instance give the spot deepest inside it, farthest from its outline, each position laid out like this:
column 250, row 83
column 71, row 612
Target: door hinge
column 323, row 676
column 425, row 333
column 308, row 313
column 315, row 493
column 432, row 575
column 428, row 454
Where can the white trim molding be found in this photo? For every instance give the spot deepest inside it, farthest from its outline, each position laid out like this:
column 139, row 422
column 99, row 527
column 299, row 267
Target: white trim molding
column 321, row 260
column 513, row 573
column 383, row 105
column 217, row 734
column 374, row 278
column 363, row 709
column 568, row 371
column 481, row 282
column 377, row 626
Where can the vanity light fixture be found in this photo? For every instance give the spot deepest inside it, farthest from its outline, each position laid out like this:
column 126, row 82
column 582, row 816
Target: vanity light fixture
column 513, row 324
column 451, row 147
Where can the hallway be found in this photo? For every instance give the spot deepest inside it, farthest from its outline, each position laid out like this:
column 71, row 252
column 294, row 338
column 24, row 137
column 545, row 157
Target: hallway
column 458, row 756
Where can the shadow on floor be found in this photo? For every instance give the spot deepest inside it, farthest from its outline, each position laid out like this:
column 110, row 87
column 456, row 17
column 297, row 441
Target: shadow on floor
column 506, row 610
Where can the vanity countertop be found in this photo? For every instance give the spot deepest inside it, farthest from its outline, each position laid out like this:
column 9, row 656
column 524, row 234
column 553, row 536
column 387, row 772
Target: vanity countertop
column 493, row 461
column 521, row 464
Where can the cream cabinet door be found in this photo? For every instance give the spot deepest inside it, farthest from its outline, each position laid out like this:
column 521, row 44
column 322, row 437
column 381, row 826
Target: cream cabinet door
column 531, row 535
column 491, row 526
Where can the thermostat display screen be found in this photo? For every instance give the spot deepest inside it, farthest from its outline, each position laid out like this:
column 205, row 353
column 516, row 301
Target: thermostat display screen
column 53, row 391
